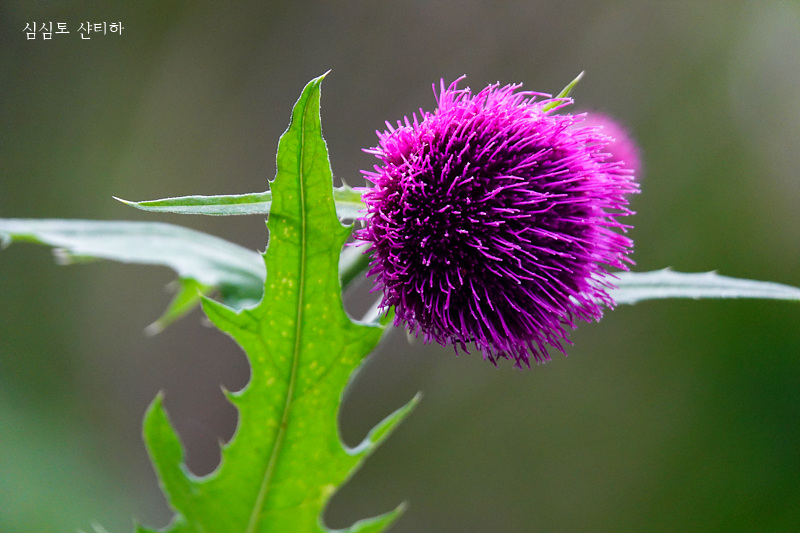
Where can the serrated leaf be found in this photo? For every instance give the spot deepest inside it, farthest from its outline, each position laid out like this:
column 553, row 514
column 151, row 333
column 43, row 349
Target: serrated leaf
column 348, row 204
column 285, row 459
column 204, row 263
column 635, row 287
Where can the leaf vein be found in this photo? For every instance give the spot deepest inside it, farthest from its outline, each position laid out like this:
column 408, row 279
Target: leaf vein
column 265, row 483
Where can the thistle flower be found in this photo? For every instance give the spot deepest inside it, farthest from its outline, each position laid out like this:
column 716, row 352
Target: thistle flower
column 492, row 221
column 622, row 147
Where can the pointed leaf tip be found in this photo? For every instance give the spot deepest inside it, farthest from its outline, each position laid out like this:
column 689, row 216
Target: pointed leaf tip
column 571, row 85
column 385, row 427
column 166, row 450
column 375, row 524
column 126, row 202
column 561, row 97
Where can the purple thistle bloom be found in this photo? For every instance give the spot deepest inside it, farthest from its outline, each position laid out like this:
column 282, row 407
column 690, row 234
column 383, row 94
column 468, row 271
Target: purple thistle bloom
column 491, row 220
column 622, row 147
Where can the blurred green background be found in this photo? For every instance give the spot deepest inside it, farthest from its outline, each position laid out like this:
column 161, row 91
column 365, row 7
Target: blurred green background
column 666, row 416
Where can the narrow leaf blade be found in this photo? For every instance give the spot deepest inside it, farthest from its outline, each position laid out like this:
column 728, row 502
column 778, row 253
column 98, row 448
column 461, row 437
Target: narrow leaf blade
column 348, row 204
column 633, row 287
column 219, row 205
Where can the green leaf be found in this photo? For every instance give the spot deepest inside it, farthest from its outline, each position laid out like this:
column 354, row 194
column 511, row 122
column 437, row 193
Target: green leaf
column 348, row 204
column 285, row 459
column 564, row 93
column 635, row 287
column 204, row 263
column 256, row 203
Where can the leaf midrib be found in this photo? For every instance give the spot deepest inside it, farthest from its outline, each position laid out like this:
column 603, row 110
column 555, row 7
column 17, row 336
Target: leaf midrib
column 255, row 515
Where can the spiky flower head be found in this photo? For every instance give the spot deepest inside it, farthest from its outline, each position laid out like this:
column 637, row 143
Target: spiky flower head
column 492, row 220
column 622, row 147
